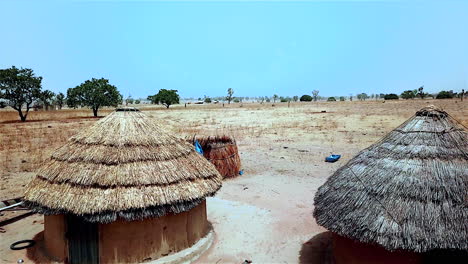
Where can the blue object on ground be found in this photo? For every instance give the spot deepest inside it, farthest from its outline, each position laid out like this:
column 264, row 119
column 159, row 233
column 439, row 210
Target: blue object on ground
column 332, row 158
column 198, row 147
column 241, row 172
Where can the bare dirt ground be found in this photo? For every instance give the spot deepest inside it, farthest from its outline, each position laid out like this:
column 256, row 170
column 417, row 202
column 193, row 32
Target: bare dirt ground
column 264, row 215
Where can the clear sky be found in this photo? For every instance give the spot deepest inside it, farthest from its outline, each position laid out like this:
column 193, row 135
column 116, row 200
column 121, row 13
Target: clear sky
column 256, row 47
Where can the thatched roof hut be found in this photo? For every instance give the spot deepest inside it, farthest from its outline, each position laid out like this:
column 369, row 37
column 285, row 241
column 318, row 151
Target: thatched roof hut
column 124, row 168
column 221, row 151
column 406, row 192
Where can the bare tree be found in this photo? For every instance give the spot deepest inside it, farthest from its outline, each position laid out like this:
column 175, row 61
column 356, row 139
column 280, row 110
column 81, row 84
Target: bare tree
column 315, row 94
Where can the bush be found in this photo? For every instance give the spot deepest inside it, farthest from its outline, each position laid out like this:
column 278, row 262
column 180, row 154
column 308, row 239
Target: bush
column 408, row 94
column 305, row 98
column 391, row 97
column 331, row 99
column 137, row 101
column 342, row 98
column 207, row 100
column 236, row 100
column 445, row 95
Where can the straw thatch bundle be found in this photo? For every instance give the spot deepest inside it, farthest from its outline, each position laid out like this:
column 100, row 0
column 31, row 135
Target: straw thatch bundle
column 222, row 151
column 407, row 191
column 125, row 166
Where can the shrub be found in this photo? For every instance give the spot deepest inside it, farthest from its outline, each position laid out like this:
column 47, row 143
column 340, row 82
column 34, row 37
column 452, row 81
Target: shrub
column 305, row 98
column 342, row 98
column 408, row 94
column 331, row 99
column 391, row 97
column 445, row 95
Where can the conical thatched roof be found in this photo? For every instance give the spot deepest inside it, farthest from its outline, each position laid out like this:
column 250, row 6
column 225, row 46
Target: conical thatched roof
column 408, row 191
column 125, row 166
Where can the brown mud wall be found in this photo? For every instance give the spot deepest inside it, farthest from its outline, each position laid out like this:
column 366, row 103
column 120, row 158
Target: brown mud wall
column 152, row 238
column 55, row 242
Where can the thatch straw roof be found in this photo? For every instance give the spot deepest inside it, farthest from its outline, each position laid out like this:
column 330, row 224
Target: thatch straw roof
column 125, row 166
column 408, row 191
column 221, row 150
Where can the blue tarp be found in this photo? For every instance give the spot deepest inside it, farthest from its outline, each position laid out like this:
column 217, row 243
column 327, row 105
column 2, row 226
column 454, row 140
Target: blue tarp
column 198, row 147
column 332, row 158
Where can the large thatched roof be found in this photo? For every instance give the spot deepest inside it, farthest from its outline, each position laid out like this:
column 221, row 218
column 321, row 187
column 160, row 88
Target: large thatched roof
column 408, row 191
column 125, row 166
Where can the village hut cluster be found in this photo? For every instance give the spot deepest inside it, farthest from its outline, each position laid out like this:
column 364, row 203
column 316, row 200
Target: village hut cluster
column 405, row 193
column 127, row 191
column 222, row 151
column 123, row 191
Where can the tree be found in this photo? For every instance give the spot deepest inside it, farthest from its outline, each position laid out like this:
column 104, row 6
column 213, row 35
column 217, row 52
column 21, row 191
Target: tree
column 46, row 97
column 230, row 92
column 421, row 92
column 129, row 100
column 20, row 87
column 362, row 96
column 342, row 98
column 315, row 94
column 165, row 97
column 295, row 98
column 94, row 94
column 60, row 100
column 305, row 98
column 331, row 99
column 207, row 100
column 391, row 97
column 408, row 94
column 445, row 95
column 275, row 97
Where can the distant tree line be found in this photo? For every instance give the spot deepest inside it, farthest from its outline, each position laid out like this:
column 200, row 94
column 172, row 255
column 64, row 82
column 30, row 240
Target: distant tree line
column 22, row 90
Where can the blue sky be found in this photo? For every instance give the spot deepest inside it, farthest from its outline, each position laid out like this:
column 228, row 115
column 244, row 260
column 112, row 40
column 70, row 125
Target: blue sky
column 258, row 48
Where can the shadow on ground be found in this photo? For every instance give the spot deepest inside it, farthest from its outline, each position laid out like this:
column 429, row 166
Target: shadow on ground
column 37, row 252
column 318, row 250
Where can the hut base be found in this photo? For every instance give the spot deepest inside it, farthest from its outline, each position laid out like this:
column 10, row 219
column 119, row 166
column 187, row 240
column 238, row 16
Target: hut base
column 190, row 254
column 349, row 251
column 173, row 238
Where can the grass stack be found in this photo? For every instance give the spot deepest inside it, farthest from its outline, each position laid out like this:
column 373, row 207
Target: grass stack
column 221, row 151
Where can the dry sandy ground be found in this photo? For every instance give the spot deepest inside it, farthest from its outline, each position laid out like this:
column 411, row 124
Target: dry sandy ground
column 264, row 215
